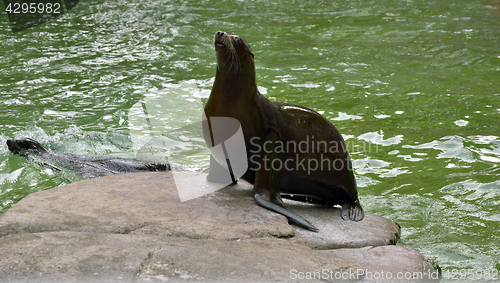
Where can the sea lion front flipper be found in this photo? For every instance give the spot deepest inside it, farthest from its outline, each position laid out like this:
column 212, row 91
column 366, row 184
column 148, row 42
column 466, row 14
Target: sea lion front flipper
column 352, row 211
column 218, row 174
column 293, row 217
column 52, row 167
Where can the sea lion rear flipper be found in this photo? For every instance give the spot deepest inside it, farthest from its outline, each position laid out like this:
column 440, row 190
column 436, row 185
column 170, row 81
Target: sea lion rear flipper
column 352, row 211
column 295, row 218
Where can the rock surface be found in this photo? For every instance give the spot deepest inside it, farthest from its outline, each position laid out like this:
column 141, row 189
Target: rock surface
column 390, row 262
column 133, row 227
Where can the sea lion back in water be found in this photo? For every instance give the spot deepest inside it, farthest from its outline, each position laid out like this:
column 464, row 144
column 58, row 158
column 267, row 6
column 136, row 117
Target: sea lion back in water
column 281, row 134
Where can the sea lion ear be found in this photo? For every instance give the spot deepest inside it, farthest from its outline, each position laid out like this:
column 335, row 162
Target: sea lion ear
column 251, row 53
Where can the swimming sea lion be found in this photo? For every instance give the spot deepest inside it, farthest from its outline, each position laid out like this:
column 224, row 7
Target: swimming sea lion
column 278, row 138
column 85, row 165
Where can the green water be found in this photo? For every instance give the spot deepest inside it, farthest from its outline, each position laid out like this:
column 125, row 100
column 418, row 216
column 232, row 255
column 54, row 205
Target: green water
column 414, row 86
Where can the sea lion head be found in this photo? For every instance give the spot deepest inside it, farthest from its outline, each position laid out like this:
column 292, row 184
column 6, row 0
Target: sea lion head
column 233, row 52
column 25, row 146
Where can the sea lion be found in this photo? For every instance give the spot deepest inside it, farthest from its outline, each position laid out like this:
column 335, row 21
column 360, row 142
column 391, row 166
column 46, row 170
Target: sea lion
column 85, row 165
column 277, row 134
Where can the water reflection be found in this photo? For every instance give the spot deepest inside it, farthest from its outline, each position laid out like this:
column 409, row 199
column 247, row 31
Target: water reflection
column 453, row 147
column 378, row 138
column 343, row 116
column 378, row 167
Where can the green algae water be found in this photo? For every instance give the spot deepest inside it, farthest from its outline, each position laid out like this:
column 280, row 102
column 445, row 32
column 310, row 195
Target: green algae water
column 414, row 87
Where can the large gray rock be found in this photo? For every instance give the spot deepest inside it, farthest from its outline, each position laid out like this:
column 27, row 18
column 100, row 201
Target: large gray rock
column 388, row 263
column 336, row 233
column 103, row 257
column 148, row 204
column 134, row 227
column 143, row 204
column 72, row 256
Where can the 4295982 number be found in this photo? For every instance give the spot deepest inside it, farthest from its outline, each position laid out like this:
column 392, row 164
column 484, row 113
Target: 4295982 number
column 471, row 274
column 34, row 8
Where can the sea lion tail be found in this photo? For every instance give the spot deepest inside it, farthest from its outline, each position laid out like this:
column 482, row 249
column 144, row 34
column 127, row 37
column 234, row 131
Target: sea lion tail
column 295, row 218
column 352, row 211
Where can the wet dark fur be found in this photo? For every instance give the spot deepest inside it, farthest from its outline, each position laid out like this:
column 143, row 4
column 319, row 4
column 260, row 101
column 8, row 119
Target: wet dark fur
column 234, row 94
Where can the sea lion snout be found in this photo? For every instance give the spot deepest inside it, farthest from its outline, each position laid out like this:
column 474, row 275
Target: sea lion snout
column 219, row 39
column 11, row 145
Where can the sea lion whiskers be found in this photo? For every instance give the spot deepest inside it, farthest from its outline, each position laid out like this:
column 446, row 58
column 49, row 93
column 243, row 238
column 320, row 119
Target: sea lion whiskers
column 232, row 60
column 233, row 55
column 235, row 60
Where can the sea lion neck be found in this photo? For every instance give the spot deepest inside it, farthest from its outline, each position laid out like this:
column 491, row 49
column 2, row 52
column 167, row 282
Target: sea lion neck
column 235, row 74
column 239, row 83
